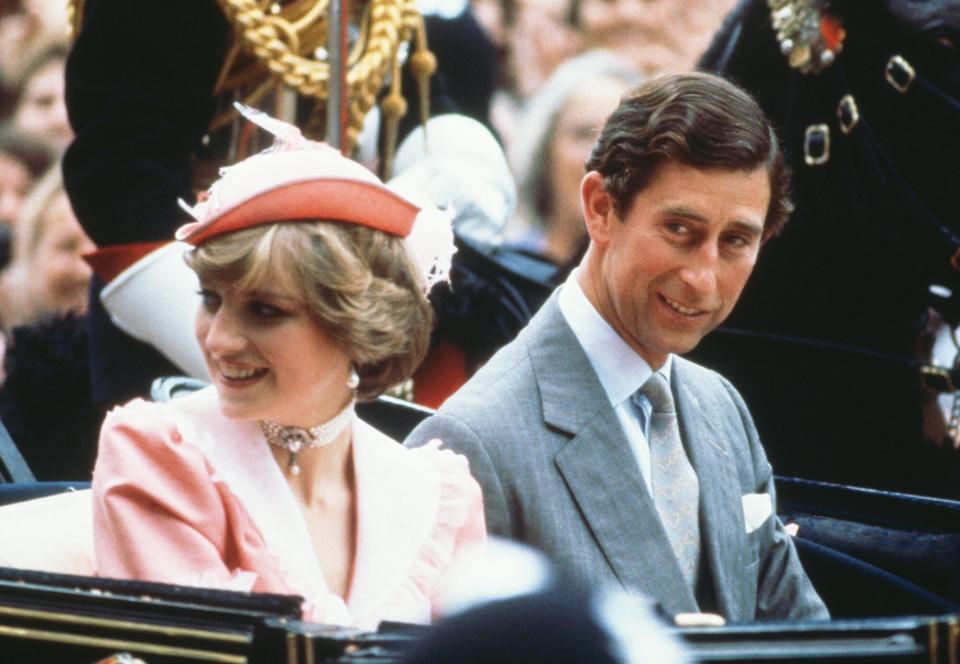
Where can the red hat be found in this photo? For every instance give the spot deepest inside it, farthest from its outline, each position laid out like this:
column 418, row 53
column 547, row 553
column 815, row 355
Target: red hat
column 301, row 184
column 302, row 180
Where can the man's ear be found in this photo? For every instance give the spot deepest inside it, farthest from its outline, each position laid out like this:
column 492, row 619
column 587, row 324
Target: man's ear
column 597, row 207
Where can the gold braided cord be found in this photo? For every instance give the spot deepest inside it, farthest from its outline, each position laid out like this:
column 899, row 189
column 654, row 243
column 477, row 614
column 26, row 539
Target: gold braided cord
column 286, row 40
column 74, row 17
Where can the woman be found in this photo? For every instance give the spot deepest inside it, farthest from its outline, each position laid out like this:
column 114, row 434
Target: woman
column 266, row 481
column 23, row 161
column 557, row 132
column 47, row 275
column 41, row 111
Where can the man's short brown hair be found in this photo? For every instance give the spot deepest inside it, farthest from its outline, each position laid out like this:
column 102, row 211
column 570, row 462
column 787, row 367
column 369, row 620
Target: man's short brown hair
column 695, row 119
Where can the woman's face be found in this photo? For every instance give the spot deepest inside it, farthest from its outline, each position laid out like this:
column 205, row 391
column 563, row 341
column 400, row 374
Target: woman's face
column 577, row 127
column 42, row 110
column 268, row 358
column 57, row 270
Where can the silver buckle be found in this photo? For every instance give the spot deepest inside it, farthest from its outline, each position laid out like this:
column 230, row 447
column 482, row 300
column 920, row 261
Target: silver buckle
column 848, row 114
column 816, row 145
column 899, row 74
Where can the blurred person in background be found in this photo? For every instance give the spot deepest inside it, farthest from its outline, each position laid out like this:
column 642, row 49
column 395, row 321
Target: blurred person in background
column 509, row 603
column 43, row 346
column 658, row 36
column 556, row 133
column 41, row 110
column 47, row 275
column 22, row 161
column 536, row 36
column 27, row 27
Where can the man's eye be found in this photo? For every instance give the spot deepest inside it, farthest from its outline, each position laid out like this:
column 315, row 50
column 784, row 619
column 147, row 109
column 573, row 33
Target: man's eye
column 737, row 241
column 677, row 228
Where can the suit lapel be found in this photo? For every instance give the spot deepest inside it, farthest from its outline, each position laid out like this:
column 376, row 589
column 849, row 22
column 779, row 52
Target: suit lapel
column 721, row 510
column 599, row 468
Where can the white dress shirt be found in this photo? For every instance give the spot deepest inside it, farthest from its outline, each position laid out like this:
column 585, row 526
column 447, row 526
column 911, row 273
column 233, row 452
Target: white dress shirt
column 620, row 369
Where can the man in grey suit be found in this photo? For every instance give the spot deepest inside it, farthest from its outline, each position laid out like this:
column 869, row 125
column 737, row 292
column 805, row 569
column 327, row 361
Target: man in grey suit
column 591, row 438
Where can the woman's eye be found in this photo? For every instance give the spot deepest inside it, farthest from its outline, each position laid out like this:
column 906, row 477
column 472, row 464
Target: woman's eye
column 264, row 310
column 209, row 299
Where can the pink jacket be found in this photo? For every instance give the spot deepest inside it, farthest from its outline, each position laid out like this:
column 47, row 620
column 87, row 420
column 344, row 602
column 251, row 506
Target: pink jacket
column 184, row 495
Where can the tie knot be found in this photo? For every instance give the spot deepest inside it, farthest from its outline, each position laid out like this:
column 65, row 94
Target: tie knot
column 657, row 391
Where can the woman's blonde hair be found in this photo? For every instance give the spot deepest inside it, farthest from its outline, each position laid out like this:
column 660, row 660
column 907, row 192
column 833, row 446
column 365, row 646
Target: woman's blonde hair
column 19, row 304
column 358, row 283
column 32, row 220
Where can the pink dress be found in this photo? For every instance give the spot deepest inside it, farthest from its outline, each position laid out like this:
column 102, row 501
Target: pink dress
column 184, row 495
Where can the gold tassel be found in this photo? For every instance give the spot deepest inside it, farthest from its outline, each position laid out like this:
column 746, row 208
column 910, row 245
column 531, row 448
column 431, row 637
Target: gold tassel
column 423, row 65
column 393, row 107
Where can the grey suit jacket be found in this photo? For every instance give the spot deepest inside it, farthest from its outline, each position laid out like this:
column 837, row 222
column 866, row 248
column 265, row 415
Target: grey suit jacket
column 557, row 473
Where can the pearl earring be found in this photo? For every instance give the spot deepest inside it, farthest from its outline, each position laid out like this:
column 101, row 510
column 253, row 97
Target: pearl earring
column 353, row 380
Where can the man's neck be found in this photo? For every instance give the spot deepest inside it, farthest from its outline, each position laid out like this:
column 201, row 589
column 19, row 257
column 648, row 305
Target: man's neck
column 588, row 278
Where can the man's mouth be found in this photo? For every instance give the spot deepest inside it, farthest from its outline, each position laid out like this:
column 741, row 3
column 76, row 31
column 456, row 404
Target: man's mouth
column 680, row 309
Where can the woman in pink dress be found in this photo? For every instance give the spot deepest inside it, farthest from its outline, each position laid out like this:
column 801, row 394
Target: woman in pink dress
column 312, row 277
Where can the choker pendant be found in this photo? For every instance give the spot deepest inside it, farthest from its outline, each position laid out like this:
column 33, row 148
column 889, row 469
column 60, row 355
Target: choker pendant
column 293, row 439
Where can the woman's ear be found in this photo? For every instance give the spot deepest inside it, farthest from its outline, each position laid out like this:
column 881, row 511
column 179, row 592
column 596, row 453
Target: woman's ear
column 597, row 207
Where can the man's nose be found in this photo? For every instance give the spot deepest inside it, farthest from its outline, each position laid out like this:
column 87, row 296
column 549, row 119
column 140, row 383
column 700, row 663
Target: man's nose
column 700, row 273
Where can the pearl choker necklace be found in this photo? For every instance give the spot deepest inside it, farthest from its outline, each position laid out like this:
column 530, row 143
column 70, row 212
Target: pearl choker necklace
column 294, row 439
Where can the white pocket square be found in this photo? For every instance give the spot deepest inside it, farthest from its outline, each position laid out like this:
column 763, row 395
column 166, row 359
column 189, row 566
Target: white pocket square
column 757, row 508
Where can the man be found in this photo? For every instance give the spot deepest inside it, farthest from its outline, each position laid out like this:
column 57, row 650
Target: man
column 661, row 484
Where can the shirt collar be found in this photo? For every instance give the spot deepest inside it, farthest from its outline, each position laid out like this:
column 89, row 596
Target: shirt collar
column 619, row 367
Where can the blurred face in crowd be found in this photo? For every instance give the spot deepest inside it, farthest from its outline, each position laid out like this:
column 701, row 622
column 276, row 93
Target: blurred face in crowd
column 42, row 111
column 657, row 35
column 540, row 39
column 57, row 270
column 14, row 182
column 577, row 127
column 26, row 27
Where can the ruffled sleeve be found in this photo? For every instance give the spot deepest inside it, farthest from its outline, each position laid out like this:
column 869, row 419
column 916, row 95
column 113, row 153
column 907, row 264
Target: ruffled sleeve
column 459, row 522
column 157, row 513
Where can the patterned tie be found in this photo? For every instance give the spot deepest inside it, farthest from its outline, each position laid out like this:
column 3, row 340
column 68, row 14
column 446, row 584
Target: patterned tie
column 676, row 491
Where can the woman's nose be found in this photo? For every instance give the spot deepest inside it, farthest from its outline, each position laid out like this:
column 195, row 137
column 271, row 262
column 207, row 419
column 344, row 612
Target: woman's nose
column 223, row 335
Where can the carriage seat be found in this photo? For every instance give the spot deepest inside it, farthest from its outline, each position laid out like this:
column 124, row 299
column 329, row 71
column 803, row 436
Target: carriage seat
column 49, row 534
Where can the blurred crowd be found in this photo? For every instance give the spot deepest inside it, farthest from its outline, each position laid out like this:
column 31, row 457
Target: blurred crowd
column 559, row 69
column 41, row 241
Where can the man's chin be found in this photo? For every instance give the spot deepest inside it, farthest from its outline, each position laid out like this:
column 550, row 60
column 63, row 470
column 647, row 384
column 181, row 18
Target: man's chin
column 683, row 346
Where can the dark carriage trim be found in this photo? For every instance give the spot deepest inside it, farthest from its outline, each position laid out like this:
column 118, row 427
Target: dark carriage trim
column 887, row 508
column 74, row 617
column 909, row 639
